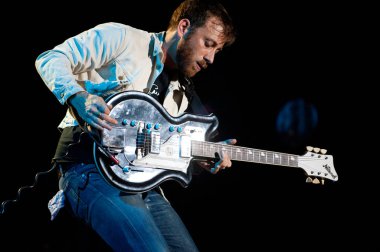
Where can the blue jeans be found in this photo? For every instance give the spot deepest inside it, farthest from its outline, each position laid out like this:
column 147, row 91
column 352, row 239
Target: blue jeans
column 127, row 222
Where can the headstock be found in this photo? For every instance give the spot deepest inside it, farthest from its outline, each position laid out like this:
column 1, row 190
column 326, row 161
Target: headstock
column 318, row 165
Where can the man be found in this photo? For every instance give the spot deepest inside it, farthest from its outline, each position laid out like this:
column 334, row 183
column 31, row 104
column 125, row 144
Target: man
column 110, row 58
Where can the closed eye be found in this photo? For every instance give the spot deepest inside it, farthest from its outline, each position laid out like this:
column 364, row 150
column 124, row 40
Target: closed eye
column 210, row 43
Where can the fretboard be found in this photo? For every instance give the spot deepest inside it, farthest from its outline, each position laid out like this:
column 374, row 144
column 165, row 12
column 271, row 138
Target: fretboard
column 238, row 153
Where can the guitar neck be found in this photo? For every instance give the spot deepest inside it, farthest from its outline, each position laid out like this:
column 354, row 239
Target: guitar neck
column 238, row 153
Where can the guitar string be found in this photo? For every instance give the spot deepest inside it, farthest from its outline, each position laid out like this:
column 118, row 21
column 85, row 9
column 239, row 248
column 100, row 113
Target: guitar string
column 237, row 150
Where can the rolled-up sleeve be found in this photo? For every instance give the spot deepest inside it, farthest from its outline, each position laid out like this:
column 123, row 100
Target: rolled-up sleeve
column 87, row 51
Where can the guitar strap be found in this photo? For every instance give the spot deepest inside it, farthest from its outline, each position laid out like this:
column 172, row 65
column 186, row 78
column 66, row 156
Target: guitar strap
column 196, row 105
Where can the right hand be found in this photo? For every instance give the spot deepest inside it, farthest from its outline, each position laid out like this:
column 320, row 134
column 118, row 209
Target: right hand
column 93, row 110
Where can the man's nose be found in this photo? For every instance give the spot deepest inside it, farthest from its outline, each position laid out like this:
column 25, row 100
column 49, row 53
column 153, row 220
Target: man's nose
column 209, row 58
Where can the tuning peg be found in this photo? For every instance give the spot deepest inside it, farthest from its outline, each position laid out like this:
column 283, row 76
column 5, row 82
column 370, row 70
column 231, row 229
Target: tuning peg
column 309, row 180
column 316, row 181
column 309, row 148
column 316, row 149
column 323, row 151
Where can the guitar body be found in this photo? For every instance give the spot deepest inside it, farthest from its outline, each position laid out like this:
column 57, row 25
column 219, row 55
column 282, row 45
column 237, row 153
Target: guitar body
column 149, row 144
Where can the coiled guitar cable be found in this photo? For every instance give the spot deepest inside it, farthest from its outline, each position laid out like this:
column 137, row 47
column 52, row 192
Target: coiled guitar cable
column 5, row 203
column 21, row 189
column 54, row 166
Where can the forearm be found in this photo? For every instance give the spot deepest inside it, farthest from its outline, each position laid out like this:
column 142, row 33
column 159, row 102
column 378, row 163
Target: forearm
column 59, row 68
column 56, row 72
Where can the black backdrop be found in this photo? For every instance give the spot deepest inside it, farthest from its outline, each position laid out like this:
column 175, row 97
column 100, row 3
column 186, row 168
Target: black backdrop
column 283, row 52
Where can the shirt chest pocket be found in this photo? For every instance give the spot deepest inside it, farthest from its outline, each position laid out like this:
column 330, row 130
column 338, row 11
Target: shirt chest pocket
column 133, row 73
column 115, row 72
column 114, row 77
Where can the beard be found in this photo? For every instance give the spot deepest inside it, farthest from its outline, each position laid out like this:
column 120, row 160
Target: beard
column 184, row 61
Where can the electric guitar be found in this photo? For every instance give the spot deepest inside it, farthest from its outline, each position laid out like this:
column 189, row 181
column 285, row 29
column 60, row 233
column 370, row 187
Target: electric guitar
column 148, row 146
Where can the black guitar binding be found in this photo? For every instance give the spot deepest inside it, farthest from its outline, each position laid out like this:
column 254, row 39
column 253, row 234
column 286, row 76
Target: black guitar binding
column 146, row 143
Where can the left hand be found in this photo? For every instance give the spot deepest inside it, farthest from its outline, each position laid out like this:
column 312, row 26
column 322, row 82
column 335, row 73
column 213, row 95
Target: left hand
column 223, row 162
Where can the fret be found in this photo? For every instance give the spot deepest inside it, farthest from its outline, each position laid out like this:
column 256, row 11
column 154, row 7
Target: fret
column 256, row 157
column 233, row 154
column 277, row 159
column 270, row 157
column 226, row 150
column 244, row 155
column 222, row 149
column 238, row 154
column 293, row 161
column 230, row 150
column 215, row 149
column 203, row 149
column 207, row 149
column 212, row 150
column 263, row 157
column 250, row 155
column 284, row 159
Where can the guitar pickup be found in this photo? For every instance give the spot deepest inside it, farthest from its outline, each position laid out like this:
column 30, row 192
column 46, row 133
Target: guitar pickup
column 155, row 142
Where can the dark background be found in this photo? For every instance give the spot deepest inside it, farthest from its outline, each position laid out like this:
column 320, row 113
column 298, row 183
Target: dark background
column 283, row 52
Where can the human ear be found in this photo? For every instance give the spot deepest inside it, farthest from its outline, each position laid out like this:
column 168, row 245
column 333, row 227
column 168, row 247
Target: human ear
column 183, row 27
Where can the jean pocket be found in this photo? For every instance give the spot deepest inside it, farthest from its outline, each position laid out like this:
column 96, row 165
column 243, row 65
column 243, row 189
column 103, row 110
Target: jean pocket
column 74, row 189
column 78, row 206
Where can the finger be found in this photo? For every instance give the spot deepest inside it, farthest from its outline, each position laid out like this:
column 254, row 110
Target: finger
column 105, row 125
column 103, row 107
column 106, row 110
column 226, row 162
column 96, row 113
column 219, row 155
column 204, row 164
column 93, row 111
column 102, row 124
column 223, row 165
column 108, row 118
column 216, row 168
column 226, row 158
column 93, row 124
column 230, row 141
